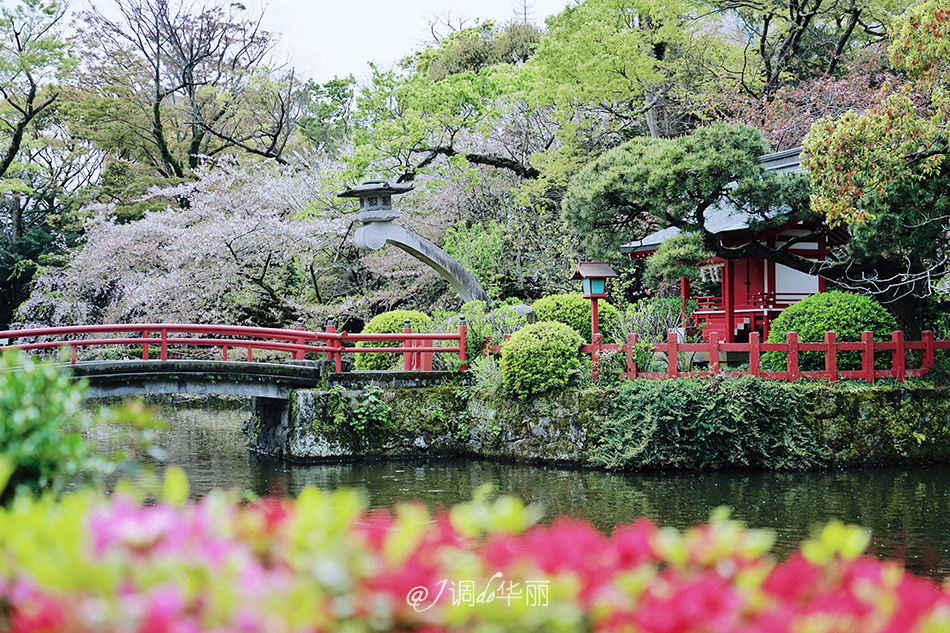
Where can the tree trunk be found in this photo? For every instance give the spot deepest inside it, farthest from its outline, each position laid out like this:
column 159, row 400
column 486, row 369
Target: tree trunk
column 659, row 118
column 16, row 220
column 906, row 312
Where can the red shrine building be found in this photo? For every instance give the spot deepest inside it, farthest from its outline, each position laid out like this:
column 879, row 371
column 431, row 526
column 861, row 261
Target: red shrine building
column 753, row 291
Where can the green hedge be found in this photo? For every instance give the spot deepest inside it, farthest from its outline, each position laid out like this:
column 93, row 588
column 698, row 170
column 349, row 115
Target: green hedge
column 540, row 357
column 574, row 310
column 392, row 322
column 698, row 424
column 845, row 314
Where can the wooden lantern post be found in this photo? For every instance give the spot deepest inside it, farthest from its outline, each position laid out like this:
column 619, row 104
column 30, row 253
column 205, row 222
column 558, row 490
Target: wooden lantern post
column 594, row 276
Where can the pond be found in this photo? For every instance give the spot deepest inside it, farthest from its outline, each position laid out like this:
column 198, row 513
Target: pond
column 906, row 509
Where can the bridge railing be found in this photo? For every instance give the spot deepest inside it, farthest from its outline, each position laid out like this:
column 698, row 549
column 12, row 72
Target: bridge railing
column 417, row 347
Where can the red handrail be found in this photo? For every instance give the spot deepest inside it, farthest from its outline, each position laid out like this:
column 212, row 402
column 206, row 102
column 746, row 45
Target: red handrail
column 298, row 343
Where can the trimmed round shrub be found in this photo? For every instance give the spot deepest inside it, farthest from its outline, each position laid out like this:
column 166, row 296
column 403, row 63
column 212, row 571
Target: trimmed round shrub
column 540, row 357
column 574, row 310
column 392, row 322
column 845, row 314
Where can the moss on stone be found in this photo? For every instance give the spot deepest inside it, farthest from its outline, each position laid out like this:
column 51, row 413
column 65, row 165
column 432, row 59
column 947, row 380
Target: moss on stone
column 882, row 425
column 844, row 424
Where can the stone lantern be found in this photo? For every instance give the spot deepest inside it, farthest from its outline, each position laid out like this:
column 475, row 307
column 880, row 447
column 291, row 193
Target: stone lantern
column 376, row 205
column 377, row 214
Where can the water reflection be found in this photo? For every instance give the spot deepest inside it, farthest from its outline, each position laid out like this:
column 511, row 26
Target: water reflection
column 907, row 510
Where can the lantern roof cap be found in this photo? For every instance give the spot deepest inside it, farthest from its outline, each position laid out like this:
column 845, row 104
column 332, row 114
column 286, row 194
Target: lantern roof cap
column 593, row 270
column 375, row 187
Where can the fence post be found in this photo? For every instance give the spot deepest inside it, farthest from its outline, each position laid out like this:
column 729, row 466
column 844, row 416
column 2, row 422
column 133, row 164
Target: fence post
column 714, row 352
column 755, row 367
column 899, row 359
column 337, row 345
column 72, row 354
column 145, row 346
column 596, row 342
column 164, row 344
column 463, row 343
column 791, row 365
column 331, row 329
column 867, row 356
column 298, row 354
column 631, row 357
column 224, row 352
column 672, row 355
column 928, row 337
column 831, row 356
column 407, row 356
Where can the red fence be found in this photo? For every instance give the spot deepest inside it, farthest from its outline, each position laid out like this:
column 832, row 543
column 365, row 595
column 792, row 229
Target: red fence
column 417, row 348
column 792, row 347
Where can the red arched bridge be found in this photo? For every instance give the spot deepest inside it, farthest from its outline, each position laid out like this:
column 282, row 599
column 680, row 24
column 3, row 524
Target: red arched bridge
column 120, row 360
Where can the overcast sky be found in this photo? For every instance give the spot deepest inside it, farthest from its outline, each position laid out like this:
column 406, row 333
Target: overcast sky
column 339, row 37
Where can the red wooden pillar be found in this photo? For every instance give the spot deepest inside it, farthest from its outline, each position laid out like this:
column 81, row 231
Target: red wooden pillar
column 298, row 354
column 629, row 348
column 145, row 345
column 928, row 338
column 672, row 355
column 791, row 339
column 463, row 341
column 899, row 359
column 407, row 355
column 331, row 329
column 684, row 289
column 593, row 318
column 754, row 355
column 334, row 343
column 714, row 352
column 831, row 356
column 867, row 356
column 728, row 300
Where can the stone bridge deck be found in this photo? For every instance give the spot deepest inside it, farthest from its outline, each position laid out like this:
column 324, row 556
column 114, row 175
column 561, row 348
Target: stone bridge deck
column 140, row 377
column 258, row 380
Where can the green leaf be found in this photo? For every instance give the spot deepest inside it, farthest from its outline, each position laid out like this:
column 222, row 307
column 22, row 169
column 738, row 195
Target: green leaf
column 176, row 488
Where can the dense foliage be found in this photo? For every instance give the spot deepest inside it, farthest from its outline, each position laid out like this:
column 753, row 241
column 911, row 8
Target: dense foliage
column 325, row 562
column 845, row 314
column 36, row 399
column 540, row 357
column 646, row 182
column 695, row 424
column 882, row 169
column 393, row 322
column 484, row 326
column 574, row 310
column 652, row 319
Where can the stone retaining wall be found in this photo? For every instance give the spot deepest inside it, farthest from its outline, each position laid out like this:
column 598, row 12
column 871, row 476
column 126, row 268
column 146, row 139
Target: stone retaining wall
column 851, row 425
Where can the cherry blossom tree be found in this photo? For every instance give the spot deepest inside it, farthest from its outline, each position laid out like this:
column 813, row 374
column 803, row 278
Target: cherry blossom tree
column 254, row 245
